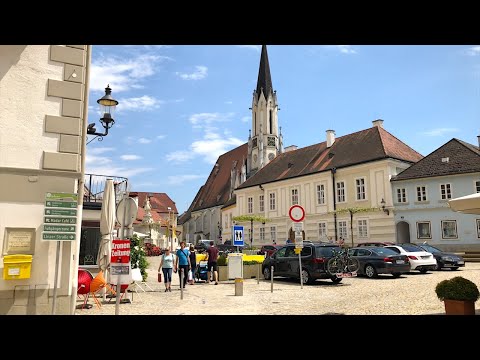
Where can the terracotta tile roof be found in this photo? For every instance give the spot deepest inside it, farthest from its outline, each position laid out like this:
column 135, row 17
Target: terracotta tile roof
column 372, row 144
column 216, row 190
column 159, row 203
column 462, row 158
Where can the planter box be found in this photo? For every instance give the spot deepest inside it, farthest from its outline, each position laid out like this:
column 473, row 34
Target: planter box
column 249, row 272
column 459, row 307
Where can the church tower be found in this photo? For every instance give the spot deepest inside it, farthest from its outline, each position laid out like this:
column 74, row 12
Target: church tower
column 264, row 140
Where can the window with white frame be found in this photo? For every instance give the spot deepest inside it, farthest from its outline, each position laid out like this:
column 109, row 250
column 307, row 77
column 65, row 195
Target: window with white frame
column 401, row 195
column 362, row 228
column 424, row 230
column 341, row 191
column 449, row 229
column 322, row 230
column 262, row 234
column 273, row 233
column 261, row 204
column 294, row 196
column 445, row 191
column 272, row 201
column 321, row 194
column 342, row 229
column 360, row 187
column 477, row 186
column 421, row 193
column 250, row 205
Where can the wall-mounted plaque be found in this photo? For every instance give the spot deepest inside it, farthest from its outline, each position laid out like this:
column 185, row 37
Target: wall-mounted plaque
column 19, row 241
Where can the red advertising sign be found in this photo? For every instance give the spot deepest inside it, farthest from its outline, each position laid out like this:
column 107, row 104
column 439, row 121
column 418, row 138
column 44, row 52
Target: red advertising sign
column 120, row 252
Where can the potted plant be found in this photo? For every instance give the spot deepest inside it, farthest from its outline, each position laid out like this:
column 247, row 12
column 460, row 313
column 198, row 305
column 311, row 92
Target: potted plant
column 459, row 295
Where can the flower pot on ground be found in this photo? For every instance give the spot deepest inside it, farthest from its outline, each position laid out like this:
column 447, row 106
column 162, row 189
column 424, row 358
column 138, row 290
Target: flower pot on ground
column 459, row 295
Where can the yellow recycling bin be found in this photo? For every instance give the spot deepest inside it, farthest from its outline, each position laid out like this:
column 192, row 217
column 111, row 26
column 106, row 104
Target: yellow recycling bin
column 17, row 267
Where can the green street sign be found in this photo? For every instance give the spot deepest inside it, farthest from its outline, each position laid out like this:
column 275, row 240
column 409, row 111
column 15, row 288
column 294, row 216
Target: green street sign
column 50, row 236
column 59, row 220
column 61, row 212
column 59, row 228
column 61, row 204
column 61, row 196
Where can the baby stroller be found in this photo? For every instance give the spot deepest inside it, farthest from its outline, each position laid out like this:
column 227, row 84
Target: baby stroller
column 201, row 271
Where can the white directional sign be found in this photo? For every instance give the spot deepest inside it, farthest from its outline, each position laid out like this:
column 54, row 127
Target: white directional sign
column 59, row 225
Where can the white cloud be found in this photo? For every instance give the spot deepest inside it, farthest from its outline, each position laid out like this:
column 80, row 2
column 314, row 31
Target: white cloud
column 344, row 49
column 99, row 150
column 142, row 103
column 440, row 131
column 202, row 119
column 252, row 47
column 199, row 73
column 144, row 141
column 212, row 148
column 117, row 171
column 245, row 119
column 181, row 179
column 160, row 137
column 229, row 102
column 473, row 51
column 130, row 157
column 121, row 73
column 180, row 156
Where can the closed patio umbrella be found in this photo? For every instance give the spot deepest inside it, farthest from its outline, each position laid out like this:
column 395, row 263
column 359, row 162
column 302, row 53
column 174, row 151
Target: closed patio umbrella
column 107, row 223
column 469, row 204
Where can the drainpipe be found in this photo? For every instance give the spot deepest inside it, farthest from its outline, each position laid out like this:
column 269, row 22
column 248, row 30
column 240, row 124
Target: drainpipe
column 334, row 170
column 81, row 182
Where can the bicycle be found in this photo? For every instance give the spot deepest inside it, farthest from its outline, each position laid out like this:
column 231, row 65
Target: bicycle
column 342, row 263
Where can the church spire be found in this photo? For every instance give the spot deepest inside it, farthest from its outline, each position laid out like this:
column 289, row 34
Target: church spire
column 264, row 81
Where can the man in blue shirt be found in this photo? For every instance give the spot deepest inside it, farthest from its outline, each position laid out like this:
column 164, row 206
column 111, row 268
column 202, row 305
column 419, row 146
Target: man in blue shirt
column 182, row 262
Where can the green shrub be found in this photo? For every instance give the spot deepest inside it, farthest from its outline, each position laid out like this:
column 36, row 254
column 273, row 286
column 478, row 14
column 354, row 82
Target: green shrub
column 251, row 262
column 457, row 288
column 138, row 256
column 222, row 260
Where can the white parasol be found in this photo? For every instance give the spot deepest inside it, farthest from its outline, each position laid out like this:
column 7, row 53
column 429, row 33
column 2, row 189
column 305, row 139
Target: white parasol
column 107, row 223
column 469, row 204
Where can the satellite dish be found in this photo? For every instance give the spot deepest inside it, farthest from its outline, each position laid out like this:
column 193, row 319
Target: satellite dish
column 126, row 212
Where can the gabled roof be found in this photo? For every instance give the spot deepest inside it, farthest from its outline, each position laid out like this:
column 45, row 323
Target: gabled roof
column 360, row 147
column 159, row 202
column 216, row 190
column 462, row 158
column 264, row 78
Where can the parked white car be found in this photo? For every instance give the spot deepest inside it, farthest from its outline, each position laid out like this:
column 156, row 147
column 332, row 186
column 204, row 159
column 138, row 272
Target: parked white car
column 420, row 259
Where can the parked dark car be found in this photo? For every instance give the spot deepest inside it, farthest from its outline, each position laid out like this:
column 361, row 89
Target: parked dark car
column 375, row 243
column 314, row 262
column 268, row 250
column 444, row 259
column 376, row 260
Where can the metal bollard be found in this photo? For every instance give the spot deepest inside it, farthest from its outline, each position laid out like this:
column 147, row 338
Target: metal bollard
column 258, row 273
column 238, row 287
column 181, row 284
column 271, row 279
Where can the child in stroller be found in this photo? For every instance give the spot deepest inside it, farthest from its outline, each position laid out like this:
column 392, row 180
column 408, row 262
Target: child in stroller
column 201, row 271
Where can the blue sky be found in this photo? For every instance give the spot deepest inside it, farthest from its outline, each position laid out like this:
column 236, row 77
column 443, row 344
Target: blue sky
column 180, row 107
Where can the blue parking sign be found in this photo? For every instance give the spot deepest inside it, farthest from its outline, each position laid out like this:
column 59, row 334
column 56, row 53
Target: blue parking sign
column 237, row 235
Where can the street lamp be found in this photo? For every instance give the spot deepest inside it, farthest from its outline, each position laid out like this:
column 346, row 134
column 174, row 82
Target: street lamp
column 385, row 210
column 107, row 106
column 219, row 226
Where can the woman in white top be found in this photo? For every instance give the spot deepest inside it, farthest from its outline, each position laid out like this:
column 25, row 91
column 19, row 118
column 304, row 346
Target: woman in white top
column 166, row 264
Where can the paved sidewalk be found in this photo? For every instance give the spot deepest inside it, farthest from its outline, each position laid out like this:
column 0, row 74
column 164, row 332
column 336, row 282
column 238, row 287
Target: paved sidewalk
column 413, row 293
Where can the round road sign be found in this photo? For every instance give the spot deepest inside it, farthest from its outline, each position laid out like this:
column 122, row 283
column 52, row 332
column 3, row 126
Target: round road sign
column 296, row 213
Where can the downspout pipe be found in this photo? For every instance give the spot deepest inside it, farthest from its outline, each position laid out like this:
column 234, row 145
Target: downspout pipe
column 333, row 171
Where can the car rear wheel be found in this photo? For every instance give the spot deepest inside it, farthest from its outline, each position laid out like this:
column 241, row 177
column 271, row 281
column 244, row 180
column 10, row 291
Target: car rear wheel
column 396, row 274
column 423, row 270
column 438, row 266
column 307, row 279
column 370, row 271
column 266, row 273
column 454, row 268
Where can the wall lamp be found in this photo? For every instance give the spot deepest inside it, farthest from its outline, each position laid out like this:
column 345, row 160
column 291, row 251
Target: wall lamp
column 107, row 106
column 385, row 210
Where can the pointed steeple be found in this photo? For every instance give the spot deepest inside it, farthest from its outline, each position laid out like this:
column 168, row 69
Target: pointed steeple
column 264, row 81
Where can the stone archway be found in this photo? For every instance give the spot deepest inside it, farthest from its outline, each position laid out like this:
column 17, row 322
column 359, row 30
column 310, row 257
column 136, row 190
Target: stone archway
column 403, row 232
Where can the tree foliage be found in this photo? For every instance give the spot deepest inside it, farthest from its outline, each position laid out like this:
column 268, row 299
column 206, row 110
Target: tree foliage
column 255, row 218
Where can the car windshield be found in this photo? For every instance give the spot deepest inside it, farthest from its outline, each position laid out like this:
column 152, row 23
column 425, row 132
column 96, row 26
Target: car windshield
column 412, row 248
column 326, row 251
column 430, row 248
column 383, row 251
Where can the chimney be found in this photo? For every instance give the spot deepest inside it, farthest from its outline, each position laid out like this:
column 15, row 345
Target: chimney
column 291, row 148
column 330, row 138
column 378, row 122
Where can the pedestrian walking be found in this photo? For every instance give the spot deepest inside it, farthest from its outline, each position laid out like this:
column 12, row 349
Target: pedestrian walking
column 212, row 256
column 193, row 264
column 166, row 265
column 182, row 262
